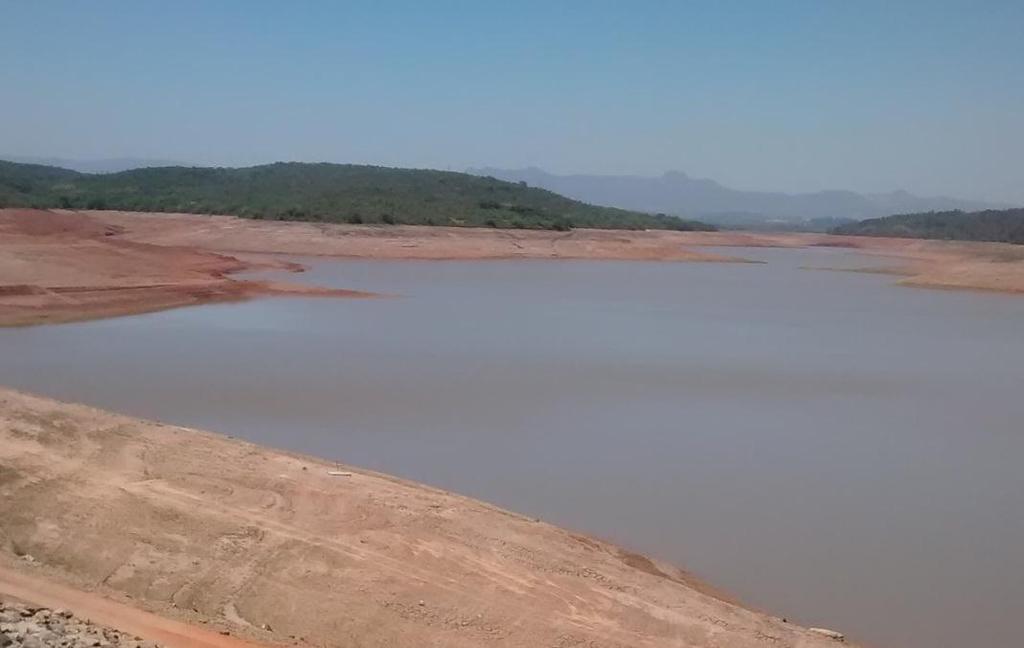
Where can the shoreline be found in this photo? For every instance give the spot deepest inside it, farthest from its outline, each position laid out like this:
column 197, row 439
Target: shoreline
column 141, row 301
column 61, row 266
column 228, row 536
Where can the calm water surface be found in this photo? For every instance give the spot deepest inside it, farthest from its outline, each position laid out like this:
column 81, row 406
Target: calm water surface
column 825, row 445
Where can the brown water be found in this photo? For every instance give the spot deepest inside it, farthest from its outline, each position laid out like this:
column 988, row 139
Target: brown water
column 825, row 445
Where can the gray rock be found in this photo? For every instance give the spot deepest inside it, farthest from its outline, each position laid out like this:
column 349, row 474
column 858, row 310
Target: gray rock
column 35, row 627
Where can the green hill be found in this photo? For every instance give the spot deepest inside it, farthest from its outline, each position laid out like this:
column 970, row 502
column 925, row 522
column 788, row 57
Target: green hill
column 1003, row 225
column 339, row 193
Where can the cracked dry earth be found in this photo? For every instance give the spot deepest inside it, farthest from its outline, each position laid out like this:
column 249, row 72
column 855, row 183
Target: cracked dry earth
column 270, row 547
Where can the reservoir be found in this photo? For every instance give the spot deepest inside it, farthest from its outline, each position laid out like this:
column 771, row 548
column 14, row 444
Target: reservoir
column 825, row 445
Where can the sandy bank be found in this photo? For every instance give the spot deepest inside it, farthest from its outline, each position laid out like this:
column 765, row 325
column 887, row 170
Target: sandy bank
column 955, row 265
column 237, row 235
column 268, row 545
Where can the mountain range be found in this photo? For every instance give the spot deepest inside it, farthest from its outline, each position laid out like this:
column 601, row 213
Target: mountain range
column 676, row 193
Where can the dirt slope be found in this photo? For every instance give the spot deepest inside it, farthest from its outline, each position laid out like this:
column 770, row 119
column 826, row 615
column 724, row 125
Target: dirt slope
column 270, row 546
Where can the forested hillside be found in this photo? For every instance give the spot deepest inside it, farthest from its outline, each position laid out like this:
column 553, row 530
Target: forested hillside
column 320, row 192
column 1005, row 225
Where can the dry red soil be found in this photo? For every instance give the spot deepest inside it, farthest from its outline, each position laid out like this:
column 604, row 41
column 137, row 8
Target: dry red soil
column 66, row 266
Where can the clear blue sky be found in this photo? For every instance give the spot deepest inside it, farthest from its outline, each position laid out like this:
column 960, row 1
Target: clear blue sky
column 794, row 96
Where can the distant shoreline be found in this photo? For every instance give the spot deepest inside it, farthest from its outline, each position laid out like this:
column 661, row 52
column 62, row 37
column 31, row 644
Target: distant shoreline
column 64, row 266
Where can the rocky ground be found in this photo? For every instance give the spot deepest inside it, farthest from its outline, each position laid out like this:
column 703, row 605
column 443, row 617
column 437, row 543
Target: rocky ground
column 37, row 627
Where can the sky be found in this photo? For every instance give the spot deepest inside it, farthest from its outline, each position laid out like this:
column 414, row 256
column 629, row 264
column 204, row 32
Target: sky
column 770, row 95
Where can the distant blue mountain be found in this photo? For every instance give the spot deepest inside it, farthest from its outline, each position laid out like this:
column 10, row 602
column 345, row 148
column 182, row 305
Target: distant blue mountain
column 679, row 194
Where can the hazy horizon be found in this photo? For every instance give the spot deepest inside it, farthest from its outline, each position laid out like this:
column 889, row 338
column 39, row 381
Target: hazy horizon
column 791, row 97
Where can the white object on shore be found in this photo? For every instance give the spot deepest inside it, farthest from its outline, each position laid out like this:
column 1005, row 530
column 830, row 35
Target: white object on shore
column 338, row 472
column 831, row 634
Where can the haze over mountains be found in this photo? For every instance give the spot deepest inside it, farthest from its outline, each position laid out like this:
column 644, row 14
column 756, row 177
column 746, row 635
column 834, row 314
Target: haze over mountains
column 679, row 194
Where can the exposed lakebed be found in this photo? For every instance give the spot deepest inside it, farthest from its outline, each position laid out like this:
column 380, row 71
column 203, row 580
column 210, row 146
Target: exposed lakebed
column 825, row 445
